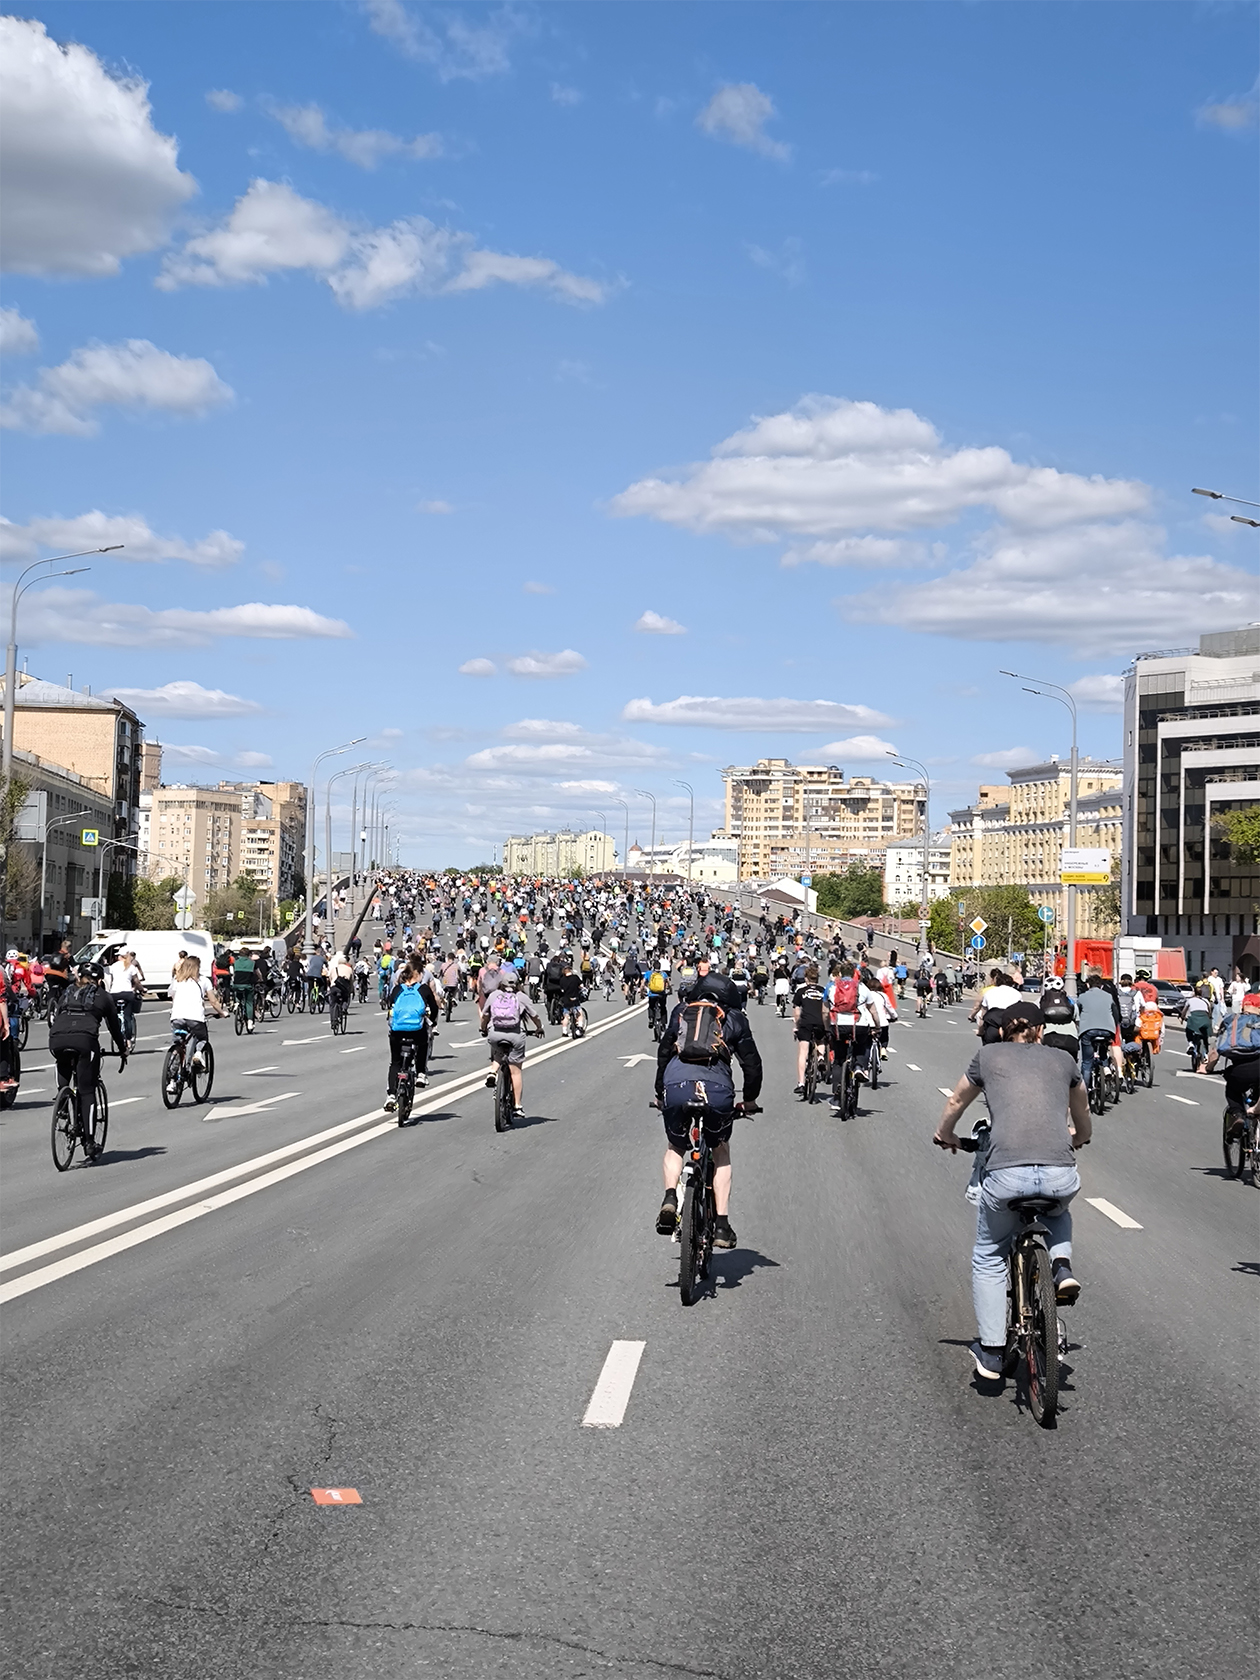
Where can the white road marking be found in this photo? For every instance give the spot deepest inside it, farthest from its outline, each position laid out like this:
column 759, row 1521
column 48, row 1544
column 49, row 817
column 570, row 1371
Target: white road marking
column 353, row 1048
column 45, row 1067
column 285, row 1042
column 33, row 1091
column 1212, row 1078
column 612, row 1391
column 945, row 1090
column 144, row 1233
column 249, row 1072
column 633, row 1061
column 121, row 1102
column 1112, row 1212
column 1189, row 1101
column 467, row 1044
column 914, row 1067
column 260, row 1107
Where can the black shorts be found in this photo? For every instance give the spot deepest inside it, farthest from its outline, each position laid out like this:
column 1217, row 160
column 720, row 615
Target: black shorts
column 719, row 1094
column 811, row 1035
column 717, row 1128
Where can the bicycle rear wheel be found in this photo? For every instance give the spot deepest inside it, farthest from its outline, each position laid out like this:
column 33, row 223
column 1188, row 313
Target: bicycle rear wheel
column 1148, row 1067
column 1043, row 1342
column 503, row 1099
column 202, row 1078
column 239, row 1015
column 100, row 1116
column 691, row 1243
column 172, row 1075
column 406, row 1091
column 1233, row 1142
column 873, row 1067
column 811, row 1074
column 291, row 1000
column 24, row 1031
column 65, row 1130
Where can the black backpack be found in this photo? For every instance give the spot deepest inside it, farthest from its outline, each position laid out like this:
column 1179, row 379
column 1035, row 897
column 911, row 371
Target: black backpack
column 1056, row 1006
column 700, row 1033
column 76, row 1009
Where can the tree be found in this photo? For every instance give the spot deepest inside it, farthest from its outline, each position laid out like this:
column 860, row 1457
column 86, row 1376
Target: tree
column 235, row 910
column 1241, row 829
column 297, row 887
column 859, row 891
column 153, row 903
column 119, row 901
column 1009, row 911
column 910, row 908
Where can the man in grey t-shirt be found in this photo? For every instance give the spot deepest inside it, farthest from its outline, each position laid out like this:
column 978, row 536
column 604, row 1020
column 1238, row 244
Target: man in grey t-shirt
column 1039, row 1114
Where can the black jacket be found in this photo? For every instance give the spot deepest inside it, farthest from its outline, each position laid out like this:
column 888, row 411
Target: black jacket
column 739, row 1040
column 80, row 1016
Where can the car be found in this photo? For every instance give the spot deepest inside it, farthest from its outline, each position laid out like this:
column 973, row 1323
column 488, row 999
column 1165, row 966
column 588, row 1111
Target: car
column 1171, row 996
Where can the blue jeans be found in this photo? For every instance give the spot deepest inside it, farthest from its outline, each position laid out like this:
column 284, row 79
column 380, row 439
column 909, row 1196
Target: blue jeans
column 1094, row 1042
column 997, row 1225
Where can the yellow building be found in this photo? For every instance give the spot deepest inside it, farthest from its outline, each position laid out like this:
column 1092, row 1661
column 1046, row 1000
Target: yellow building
column 787, row 817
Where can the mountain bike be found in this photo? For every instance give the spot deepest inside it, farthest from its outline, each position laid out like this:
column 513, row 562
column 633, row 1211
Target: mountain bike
column 68, row 1133
column 338, row 1013
column 697, row 1210
column 180, row 1072
column 1240, row 1136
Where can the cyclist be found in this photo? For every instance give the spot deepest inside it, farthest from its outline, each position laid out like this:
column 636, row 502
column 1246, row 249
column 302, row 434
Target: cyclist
column 782, row 983
column 693, row 1063
column 923, row 991
column 74, row 1038
column 1239, row 1042
column 631, row 977
column 1098, row 1016
column 221, row 971
column 658, row 989
column 1039, row 1116
column 1196, row 1014
column 190, row 997
column 125, row 981
column 569, row 997
column 760, row 979
column 505, row 1020
column 1059, row 1013
column 407, row 1024
column 808, row 1006
column 342, row 987
column 850, row 1008
column 362, row 970
column 243, row 980
column 315, row 976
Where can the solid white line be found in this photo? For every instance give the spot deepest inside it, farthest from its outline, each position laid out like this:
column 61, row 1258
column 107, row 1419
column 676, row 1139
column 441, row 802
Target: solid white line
column 353, row 1048
column 1113, row 1213
column 945, row 1090
column 45, row 1067
column 915, row 1068
column 249, row 1072
column 86, row 1257
column 1189, row 1101
column 121, row 1102
column 33, row 1091
column 612, row 1391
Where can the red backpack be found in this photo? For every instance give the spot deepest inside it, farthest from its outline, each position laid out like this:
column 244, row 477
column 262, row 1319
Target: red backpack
column 844, row 997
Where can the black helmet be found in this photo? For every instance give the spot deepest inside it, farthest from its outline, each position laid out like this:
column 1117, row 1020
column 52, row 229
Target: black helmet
column 91, row 971
column 716, row 988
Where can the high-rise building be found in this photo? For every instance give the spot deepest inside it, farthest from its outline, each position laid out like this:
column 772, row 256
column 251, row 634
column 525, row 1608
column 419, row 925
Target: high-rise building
column 272, row 833
column 787, row 817
column 559, row 854
column 1192, row 754
column 903, row 871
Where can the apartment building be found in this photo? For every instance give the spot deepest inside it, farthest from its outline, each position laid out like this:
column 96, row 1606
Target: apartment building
column 58, row 871
column 97, row 738
column 272, row 833
column 973, row 844
column 787, row 817
column 559, row 854
column 715, row 862
column 1191, row 754
column 903, row 871
column 194, row 832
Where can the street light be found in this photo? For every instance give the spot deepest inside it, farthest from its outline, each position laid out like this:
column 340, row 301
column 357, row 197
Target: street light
column 1216, row 496
column 350, row 770
column 625, row 855
column 643, row 794
column 331, row 752
column 904, row 762
column 10, row 664
column 691, row 822
column 72, row 816
column 1241, row 519
column 603, row 824
column 1056, row 691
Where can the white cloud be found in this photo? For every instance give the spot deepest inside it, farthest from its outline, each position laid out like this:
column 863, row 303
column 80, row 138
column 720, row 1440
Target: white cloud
column 18, row 336
column 207, row 757
column 544, row 746
column 85, row 177
column 391, row 734
column 656, row 624
column 1008, row 758
column 455, row 48
column 1103, row 693
column 434, row 507
column 788, row 262
column 273, row 230
column 535, row 664
column 101, row 530
column 535, row 588
column 184, row 699
column 253, row 760
column 860, row 747
column 589, row 787
column 863, row 552
column 479, row 668
column 223, row 99
column 831, row 466
column 565, row 95
column 800, row 717
column 1235, row 114
column 739, row 113
column 77, row 615
column 135, row 375
column 308, row 126
column 853, row 177
column 1100, row 589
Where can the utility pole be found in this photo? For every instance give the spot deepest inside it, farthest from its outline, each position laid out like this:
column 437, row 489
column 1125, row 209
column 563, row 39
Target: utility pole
column 1056, row 691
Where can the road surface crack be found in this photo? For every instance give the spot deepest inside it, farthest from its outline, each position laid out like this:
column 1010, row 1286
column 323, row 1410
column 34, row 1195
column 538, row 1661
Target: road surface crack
column 507, row 1636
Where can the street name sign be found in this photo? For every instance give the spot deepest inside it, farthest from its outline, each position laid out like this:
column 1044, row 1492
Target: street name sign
column 1084, row 866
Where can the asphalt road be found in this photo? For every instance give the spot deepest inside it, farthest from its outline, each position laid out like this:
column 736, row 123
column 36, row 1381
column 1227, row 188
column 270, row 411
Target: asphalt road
column 806, row 1480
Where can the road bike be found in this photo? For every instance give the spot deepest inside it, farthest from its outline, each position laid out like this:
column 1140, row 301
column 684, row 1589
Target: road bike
column 697, row 1209
column 68, row 1133
column 181, row 1072
column 1240, row 1137
column 1035, row 1336
column 338, row 1013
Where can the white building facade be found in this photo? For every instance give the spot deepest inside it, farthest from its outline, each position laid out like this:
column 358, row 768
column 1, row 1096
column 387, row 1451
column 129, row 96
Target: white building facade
column 561, row 853
column 903, row 871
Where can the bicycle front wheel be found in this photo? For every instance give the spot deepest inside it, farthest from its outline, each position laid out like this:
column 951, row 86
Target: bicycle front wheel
column 1043, row 1342
column 874, row 1069
column 1148, row 1067
column 239, row 1016
column 691, row 1243
column 202, row 1078
column 24, row 1031
column 100, row 1116
column 172, row 1076
column 65, row 1130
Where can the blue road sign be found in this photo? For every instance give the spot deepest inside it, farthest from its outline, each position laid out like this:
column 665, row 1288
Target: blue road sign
column 1046, row 913
column 1017, row 956
column 977, row 942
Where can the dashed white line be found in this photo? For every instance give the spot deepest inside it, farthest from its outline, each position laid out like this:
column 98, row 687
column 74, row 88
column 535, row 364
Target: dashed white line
column 1189, row 1101
column 285, row 1042
column 121, row 1102
column 249, row 1072
column 1112, row 1212
column 353, row 1049
column 914, row 1067
column 612, row 1392
column 945, row 1090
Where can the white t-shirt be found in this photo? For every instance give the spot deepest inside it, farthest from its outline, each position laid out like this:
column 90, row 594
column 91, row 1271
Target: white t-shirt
column 121, row 979
column 998, row 997
column 188, row 1000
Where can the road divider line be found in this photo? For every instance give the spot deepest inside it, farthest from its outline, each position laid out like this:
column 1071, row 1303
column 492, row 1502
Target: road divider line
column 945, row 1090
column 1109, row 1210
column 121, row 1102
column 250, row 1072
column 456, row 1091
column 1189, row 1101
column 914, row 1067
column 353, row 1048
column 612, row 1391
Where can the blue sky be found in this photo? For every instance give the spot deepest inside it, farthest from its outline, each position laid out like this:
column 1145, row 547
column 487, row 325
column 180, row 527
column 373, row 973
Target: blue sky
column 851, row 352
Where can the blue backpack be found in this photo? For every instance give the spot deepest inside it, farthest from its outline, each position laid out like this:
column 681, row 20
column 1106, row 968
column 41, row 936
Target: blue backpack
column 1240, row 1037
column 407, row 1014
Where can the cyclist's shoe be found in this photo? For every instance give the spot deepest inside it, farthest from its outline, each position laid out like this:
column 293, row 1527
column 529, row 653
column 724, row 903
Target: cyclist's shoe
column 172, row 1086
column 1066, row 1287
column 989, row 1362
column 723, row 1232
column 518, row 1114
column 390, row 1104
column 667, row 1218
column 798, row 1090
column 422, row 1080
column 492, row 1079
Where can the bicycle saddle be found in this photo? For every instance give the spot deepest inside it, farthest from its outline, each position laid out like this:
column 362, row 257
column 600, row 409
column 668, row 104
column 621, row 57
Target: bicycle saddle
column 1033, row 1204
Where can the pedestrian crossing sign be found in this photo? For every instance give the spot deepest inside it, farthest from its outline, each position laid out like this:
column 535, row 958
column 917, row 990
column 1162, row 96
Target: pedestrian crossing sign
column 90, row 837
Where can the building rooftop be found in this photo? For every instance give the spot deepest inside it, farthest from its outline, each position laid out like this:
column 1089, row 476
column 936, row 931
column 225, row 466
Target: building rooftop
column 34, row 691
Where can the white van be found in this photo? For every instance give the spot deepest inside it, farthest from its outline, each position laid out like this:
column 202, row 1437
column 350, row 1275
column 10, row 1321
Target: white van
column 157, row 952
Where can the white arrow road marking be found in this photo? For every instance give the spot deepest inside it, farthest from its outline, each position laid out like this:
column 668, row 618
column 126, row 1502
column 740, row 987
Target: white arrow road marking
column 632, row 1061
column 250, row 1108
column 612, row 1391
column 1189, row 1101
column 1112, row 1212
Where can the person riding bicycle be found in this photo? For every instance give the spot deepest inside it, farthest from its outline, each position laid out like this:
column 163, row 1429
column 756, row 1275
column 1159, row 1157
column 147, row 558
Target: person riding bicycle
column 693, row 1064
column 342, row 980
column 922, row 991
column 760, row 979
column 243, row 981
column 631, row 977
column 1039, row 1117
column 853, row 1015
column 782, row 982
column 74, row 1038
column 221, row 971
column 407, row 1025
column 569, row 995
column 191, row 996
column 125, row 982
column 1098, row 1018
column 1059, row 1010
column 658, row 990
column 1239, row 1042
column 505, row 1021
column 809, row 1015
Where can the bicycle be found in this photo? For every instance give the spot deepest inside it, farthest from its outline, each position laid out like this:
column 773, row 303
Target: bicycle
column 405, row 1091
column 67, row 1129
column 874, row 1060
column 656, row 1015
column 1035, row 1336
column 292, row 995
column 781, row 1004
column 697, row 1209
column 180, row 1072
column 573, row 1021
column 317, row 1001
column 815, row 1067
column 1240, row 1138
column 1104, row 1082
column 610, row 985
column 240, row 1007
column 448, row 1003
column 272, row 1003
column 339, row 1014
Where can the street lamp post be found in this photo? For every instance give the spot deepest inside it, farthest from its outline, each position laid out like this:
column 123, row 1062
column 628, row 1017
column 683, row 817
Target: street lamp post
column 625, row 855
column 691, row 821
column 10, row 664
column 603, row 824
column 350, row 770
column 107, row 845
column 372, row 768
column 1056, row 691
column 903, row 762
column 643, row 794
column 72, row 816
column 331, row 752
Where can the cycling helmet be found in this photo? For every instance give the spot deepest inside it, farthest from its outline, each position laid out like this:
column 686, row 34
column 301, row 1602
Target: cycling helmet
column 91, row 971
column 716, row 988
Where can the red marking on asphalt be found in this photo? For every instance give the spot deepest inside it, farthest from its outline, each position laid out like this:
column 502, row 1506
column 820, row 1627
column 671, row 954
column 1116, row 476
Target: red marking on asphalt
column 336, row 1496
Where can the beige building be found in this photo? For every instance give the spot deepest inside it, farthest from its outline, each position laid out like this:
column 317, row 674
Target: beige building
column 99, row 739
column 787, row 817
column 559, row 854
column 272, row 833
column 57, row 871
column 903, row 871
column 209, row 836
